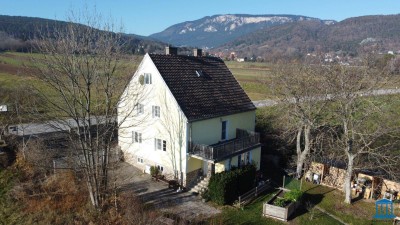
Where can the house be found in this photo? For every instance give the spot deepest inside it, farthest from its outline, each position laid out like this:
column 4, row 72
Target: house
column 193, row 119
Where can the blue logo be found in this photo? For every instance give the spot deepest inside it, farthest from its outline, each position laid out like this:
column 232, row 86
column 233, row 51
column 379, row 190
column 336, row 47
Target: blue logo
column 384, row 209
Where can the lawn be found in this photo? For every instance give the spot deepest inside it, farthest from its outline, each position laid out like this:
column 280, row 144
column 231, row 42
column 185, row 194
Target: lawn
column 326, row 198
column 252, row 214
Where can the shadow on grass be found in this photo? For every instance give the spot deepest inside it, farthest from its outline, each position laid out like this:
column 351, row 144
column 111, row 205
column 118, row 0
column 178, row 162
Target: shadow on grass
column 308, row 199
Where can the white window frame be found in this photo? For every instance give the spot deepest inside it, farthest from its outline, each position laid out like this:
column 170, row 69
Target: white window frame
column 148, row 78
column 160, row 144
column 157, row 144
column 156, row 111
column 136, row 137
column 140, row 160
column 139, row 108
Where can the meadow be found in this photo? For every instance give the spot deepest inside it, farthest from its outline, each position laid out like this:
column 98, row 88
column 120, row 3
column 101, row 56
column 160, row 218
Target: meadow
column 18, row 69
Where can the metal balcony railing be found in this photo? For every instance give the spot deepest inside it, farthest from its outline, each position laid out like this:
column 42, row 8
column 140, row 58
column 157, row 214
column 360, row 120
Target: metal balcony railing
column 244, row 139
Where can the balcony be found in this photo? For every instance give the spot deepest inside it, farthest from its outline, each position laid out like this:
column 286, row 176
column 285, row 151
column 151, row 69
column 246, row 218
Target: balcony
column 244, row 141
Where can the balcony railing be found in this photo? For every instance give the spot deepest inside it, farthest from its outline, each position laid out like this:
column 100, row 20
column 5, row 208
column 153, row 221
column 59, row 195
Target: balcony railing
column 244, row 140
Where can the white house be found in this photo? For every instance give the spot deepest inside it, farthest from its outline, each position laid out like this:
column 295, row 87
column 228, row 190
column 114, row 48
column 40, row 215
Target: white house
column 192, row 119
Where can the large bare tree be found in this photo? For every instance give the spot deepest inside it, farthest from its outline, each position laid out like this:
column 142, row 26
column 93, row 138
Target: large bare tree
column 303, row 96
column 364, row 139
column 84, row 75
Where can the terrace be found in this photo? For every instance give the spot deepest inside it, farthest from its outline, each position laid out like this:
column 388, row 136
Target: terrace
column 244, row 141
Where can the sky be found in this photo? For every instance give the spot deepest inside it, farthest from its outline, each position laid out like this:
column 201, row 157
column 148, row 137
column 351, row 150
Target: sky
column 146, row 17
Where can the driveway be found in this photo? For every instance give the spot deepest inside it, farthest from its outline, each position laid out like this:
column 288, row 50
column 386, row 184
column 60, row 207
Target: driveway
column 184, row 204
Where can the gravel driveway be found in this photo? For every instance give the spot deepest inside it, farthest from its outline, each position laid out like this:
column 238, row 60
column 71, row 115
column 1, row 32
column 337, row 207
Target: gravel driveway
column 184, row 204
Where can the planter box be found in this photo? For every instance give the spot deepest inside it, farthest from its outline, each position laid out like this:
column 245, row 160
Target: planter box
column 280, row 213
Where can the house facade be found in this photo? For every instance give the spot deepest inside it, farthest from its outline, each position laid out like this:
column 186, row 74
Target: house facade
column 188, row 116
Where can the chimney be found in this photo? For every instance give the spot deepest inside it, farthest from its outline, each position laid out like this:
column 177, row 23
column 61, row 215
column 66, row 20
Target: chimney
column 171, row 50
column 197, row 52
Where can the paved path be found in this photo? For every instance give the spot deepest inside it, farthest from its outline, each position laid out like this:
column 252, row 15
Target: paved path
column 270, row 102
column 184, row 204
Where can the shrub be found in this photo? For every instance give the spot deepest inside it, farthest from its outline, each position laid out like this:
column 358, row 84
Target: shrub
column 281, row 202
column 225, row 188
column 154, row 171
column 293, row 195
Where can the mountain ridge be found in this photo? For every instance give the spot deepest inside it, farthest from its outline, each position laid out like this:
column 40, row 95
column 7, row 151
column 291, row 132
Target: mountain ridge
column 17, row 31
column 297, row 39
column 215, row 30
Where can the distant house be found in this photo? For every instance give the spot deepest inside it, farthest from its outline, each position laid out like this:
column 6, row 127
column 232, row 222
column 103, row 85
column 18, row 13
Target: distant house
column 194, row 119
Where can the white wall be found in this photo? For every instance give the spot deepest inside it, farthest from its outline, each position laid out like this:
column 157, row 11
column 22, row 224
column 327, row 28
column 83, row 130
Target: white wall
column 171, row 126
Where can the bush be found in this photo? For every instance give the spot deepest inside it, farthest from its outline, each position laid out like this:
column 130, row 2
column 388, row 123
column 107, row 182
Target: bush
column 154, row 171
column 225, row 188
column 281, row 202
column 293, row 195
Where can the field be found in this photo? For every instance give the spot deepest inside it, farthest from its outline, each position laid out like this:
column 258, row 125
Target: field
column 18, row 69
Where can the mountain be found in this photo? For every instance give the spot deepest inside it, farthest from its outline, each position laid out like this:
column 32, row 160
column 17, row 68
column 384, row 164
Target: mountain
column 293, row 40
column 17, row 31
column 213, row 31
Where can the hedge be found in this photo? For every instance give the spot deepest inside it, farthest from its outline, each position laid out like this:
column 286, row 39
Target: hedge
column 224, row 188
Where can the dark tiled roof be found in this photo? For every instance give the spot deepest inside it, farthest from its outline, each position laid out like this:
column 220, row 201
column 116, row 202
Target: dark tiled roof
column 215, row 93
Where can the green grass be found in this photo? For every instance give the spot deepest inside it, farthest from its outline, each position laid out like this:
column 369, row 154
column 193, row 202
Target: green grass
column 252, row 214
column 328, row 199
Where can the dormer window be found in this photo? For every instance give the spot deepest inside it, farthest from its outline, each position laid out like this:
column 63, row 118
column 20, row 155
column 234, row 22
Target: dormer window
column 199, row 73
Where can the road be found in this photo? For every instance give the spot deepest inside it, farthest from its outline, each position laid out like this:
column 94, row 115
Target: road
column 270, row 102
column 32, row 129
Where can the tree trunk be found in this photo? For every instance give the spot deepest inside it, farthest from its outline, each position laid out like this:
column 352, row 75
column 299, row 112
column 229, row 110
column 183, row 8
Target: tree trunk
column 347, row 179
column 301, row 155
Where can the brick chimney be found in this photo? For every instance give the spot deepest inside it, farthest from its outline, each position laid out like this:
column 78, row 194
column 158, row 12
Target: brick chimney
column 197, row 52
column 171, row 50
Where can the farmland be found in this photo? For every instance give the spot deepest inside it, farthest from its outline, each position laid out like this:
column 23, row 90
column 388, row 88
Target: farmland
column 17, row 69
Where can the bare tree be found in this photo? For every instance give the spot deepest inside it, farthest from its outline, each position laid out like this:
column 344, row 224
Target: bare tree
column 365, row 135
column 84, row 74
column 303, row 96
column 174, row 122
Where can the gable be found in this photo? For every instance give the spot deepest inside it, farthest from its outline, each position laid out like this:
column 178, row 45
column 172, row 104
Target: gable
column 202, row 86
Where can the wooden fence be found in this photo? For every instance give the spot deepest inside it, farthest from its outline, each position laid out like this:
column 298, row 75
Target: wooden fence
column 252, row 194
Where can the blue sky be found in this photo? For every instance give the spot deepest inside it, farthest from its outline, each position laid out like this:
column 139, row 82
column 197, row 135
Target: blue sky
column 150, row 16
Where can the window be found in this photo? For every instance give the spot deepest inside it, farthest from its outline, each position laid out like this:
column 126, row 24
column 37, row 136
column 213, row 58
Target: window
column 199, row 73
column 140, row 160
column 139, row 108
column 147, row 78
column 136, row 137
column 160, row 168
column 156, row 111
column 157, row 144
column 160, row 144
column 224, row 134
